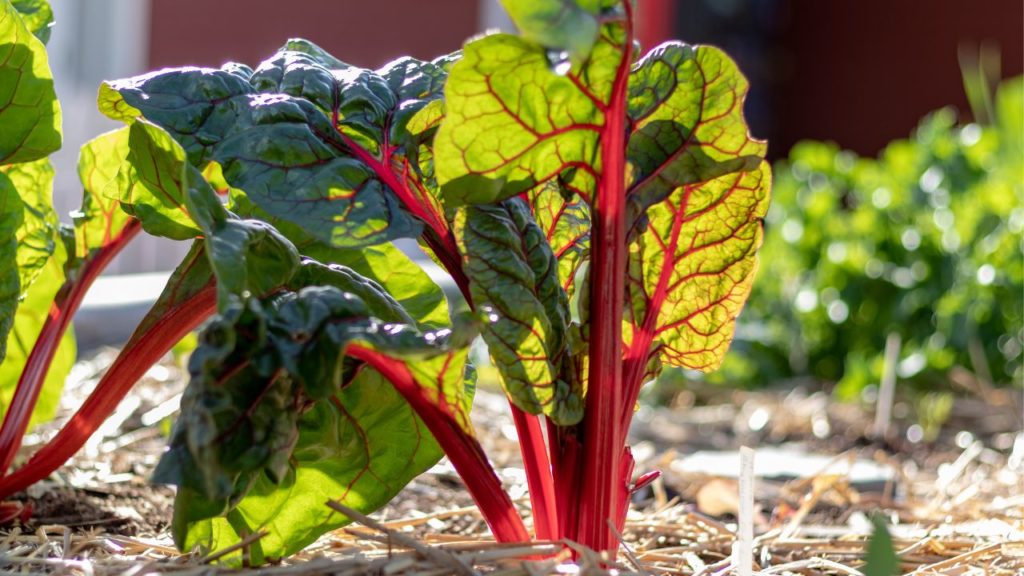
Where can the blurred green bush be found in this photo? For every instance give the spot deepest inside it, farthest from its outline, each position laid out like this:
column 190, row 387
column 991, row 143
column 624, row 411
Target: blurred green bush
column 924, row 241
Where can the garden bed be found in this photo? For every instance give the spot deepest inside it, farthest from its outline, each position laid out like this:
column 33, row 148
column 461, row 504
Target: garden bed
column 955, row 505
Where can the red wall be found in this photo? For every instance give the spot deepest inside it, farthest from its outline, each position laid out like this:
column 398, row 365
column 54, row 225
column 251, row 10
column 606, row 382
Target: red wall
column 362, row 33
column 864, row 72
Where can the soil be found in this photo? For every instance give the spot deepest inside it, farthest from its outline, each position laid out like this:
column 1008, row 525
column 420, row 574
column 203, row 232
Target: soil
column 679, row 524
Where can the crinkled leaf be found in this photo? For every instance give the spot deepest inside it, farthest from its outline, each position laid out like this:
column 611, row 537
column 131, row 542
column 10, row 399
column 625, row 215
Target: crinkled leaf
column 691, row 270
column 310, row 139
column 514, row 283
column 384, row 263
column 249, row 257
column 276, row 420
column 37, row 16
column 379, row 302
column 360, row 450
column 28, row 323
column 29, row 111
column 686, row 108
column 100, row 218
column 562, row 25
column 566, row 225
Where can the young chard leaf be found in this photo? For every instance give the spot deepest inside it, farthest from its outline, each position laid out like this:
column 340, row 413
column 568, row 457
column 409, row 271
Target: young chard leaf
column 881, row 558
column 100, row 218
column 514, row 282
column 152, row 183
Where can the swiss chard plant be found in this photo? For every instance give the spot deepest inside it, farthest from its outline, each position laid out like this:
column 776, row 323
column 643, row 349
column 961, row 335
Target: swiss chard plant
column 598, row 209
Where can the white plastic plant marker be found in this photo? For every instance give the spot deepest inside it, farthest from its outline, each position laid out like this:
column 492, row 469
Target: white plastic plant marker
column 887, row 389
column 743, row 548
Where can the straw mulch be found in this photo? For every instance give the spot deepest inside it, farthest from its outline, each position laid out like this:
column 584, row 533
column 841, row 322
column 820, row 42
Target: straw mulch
column 955, row 505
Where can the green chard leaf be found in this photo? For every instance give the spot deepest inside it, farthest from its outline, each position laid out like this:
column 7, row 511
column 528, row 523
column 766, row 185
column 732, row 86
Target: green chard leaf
column 100, row 217
column 11, row 216
column 513, row 123
column 311, row 140
column 29, row 111
column 153, row 183
column 30, row 227
column 27, row 324
column 691, row 269
column 686, row 108
column 515, row 285
column 37, row 16
column 383, row 263
column 276, row 420
column 564, row 25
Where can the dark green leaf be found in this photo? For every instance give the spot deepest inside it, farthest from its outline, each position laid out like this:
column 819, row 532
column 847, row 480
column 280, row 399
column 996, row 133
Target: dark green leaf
column 29, row 111
column 515, row 285
column 309, row 139
column 276, row 421
column 383, row 263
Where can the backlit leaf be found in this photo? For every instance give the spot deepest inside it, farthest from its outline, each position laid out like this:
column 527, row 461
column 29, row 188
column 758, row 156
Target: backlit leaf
column 691, row 270
column 37, row 16
column 29, row 111
column 686, row 106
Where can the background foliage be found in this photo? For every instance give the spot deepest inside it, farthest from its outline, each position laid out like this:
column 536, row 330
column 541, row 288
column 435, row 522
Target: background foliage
column 923, row 241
